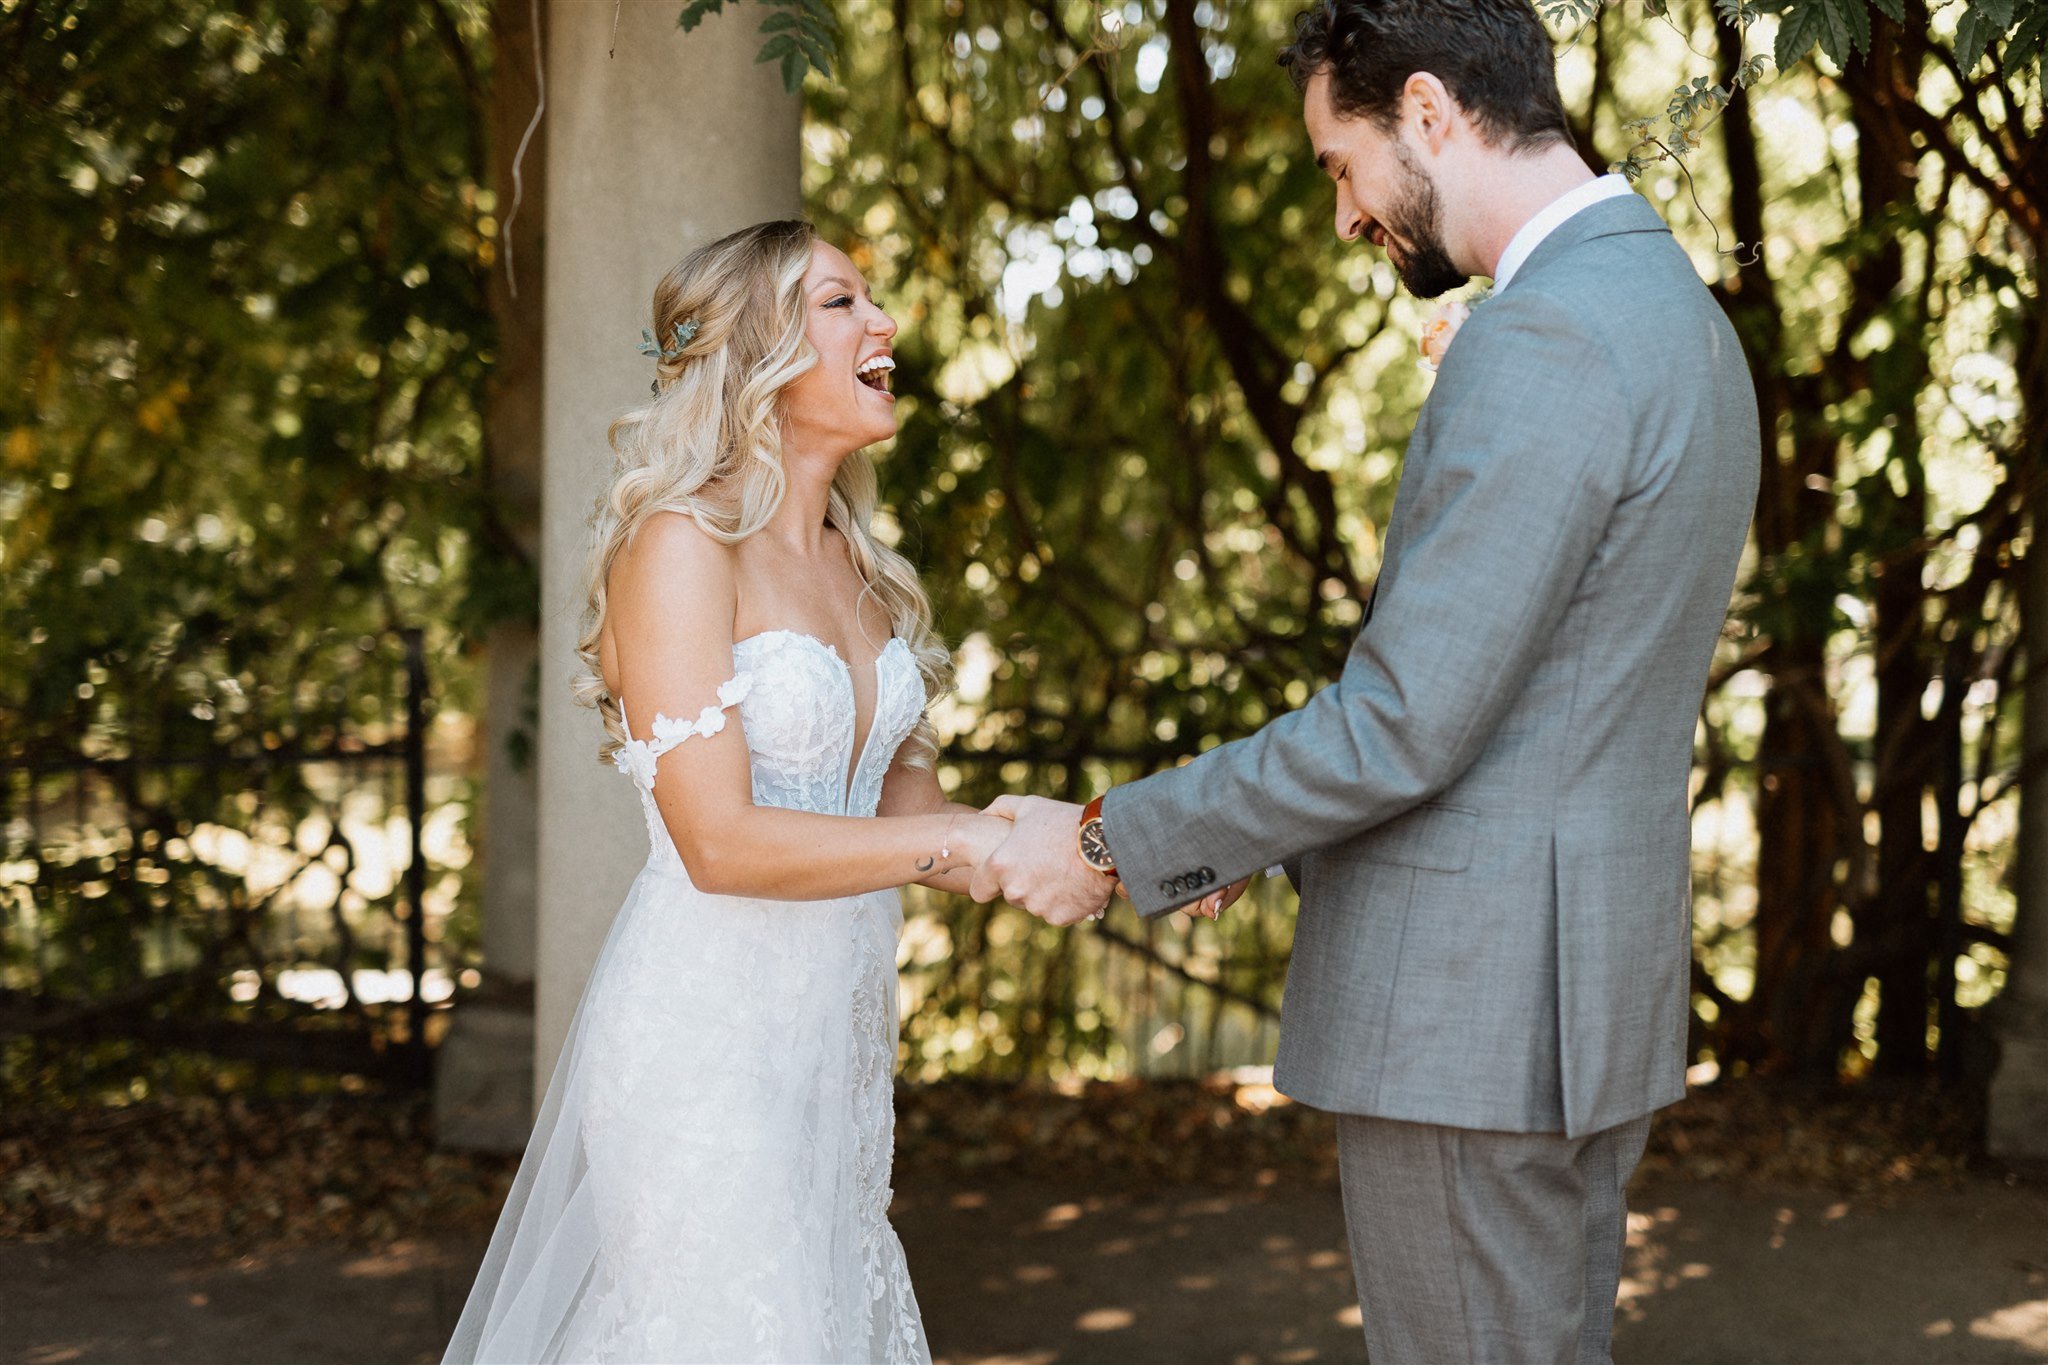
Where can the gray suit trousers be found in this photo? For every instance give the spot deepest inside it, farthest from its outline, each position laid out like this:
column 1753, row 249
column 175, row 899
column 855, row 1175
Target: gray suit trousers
column 1485, row 1246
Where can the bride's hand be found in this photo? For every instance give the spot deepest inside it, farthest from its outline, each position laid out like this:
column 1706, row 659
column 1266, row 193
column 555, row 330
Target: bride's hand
column 974, row 837
column 1215, row 903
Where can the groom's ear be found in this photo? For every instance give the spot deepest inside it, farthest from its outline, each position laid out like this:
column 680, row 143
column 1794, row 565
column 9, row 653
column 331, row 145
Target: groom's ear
column 1428, row 110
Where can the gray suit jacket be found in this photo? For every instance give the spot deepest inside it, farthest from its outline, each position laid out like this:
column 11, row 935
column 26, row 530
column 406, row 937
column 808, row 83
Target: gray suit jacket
column 1489, row 807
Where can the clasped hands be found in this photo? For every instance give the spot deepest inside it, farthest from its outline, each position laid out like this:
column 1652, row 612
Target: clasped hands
column 1039, row 866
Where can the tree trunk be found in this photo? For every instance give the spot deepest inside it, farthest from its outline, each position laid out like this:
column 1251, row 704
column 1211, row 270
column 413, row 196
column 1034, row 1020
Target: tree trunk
column 1897, row 921
column 1799, row 820
column 512, row 472
column 2019, row 1090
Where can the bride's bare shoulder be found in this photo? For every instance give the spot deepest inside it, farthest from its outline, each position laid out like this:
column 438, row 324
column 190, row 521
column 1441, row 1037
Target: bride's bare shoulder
column 668, row 551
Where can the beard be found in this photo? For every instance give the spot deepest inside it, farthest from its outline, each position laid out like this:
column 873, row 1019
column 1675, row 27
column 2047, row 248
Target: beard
column 1425, row 266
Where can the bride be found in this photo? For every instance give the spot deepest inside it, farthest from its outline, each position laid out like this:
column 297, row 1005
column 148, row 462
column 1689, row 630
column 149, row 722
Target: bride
column 708, row 1179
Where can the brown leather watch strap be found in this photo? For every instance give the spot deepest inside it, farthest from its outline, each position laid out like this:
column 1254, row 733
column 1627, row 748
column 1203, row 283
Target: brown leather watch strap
column 1084, row 837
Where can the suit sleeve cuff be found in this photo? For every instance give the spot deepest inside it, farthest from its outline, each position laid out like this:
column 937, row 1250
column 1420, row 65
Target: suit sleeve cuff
column 1155, row 884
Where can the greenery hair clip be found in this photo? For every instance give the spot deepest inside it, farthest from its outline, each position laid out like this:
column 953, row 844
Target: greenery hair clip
column 685, row 333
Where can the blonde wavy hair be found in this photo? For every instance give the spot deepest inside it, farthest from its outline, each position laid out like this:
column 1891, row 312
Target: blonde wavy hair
column 710, row 444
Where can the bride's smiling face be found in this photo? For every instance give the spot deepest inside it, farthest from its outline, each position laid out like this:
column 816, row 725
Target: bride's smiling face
column 843, row 401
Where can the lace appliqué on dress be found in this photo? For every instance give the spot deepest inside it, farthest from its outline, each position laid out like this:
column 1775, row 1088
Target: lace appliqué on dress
column 709, row 1178
column 636, row 757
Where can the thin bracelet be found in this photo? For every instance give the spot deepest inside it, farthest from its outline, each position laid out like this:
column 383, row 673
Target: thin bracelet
column 931, row 866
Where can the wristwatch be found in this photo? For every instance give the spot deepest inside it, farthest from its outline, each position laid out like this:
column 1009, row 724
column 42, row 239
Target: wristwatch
column 1094, row 846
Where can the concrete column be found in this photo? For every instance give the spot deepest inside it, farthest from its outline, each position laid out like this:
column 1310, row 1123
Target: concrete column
column 2019, row 1088
column 658, row 141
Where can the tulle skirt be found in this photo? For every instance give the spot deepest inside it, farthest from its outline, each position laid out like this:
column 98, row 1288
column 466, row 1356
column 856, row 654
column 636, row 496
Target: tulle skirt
column 708, row 1178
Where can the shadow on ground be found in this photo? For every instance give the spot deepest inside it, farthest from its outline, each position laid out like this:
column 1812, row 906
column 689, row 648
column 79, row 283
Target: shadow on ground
column 1032, row 1272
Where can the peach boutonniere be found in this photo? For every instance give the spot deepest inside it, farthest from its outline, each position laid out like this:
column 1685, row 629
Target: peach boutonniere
column 1442, row 328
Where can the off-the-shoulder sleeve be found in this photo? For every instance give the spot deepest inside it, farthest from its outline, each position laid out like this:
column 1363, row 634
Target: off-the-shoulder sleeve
column 636, row 757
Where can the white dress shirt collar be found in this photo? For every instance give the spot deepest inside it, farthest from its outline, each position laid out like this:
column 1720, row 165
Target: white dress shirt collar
column 1552, row 216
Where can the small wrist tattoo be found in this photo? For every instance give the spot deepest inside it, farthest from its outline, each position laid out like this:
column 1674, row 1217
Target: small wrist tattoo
column 924, row 864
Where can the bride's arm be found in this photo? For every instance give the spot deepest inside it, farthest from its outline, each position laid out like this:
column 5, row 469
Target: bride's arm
column 908, row 791
column 670, row 605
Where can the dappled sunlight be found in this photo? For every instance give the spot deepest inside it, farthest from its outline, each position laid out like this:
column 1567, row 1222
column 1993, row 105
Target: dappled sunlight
column 100, row 1303
column 1720, row 1272
column 1007, row 1268
column 1059, row 1215
column 2023, row 1324
column 399, row 1259
column 1087, row 1269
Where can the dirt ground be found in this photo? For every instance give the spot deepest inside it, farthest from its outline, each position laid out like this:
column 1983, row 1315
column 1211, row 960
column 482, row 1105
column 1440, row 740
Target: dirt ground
column 1027, row 1270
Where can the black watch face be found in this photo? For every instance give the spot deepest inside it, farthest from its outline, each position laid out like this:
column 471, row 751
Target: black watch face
column 1095, row 848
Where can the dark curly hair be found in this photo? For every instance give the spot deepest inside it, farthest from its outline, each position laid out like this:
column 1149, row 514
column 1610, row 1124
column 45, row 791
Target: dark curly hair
column 1494, row 56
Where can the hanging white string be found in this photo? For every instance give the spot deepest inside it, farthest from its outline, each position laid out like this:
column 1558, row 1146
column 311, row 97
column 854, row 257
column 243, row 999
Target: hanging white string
column 540, row 83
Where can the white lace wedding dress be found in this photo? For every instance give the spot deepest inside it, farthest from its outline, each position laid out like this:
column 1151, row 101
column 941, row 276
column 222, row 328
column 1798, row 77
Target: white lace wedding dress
column 708, row 1179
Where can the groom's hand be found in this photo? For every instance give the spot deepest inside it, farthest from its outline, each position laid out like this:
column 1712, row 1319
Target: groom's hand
column 1039, row 866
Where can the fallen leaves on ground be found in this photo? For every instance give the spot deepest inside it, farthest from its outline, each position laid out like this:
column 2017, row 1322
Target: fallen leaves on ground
column 244, row 1173
column 1224, row 1132
column 1852, row 1138
column 1209, row 1132
column 248, row 1174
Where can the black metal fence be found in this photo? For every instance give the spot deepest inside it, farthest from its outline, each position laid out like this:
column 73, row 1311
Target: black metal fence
column 166, row 918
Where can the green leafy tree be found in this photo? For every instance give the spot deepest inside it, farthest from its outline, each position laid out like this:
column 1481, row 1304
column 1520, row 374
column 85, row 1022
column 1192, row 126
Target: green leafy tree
column 1153, row 417
column 243, row 327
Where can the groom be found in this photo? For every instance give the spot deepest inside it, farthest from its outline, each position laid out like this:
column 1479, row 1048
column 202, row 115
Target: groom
column 1486, row 814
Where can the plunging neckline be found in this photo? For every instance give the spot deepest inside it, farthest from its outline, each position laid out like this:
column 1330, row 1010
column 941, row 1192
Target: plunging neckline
column 860, row 748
